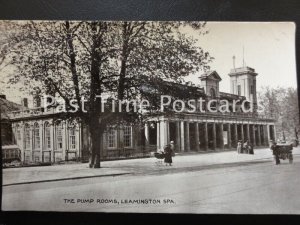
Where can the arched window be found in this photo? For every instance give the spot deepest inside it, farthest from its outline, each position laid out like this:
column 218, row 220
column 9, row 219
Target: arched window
column 36, row 136
column 47, row 136
column 27, row 136
column 72, row 138
column 59, row 136
column 212, row 93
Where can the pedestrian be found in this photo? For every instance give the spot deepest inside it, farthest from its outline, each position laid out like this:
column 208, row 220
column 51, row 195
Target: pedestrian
column 168, row 154
column 274, row 148
column 246, row 147
column 251, row 149
column 172, row 147
column 239, row 147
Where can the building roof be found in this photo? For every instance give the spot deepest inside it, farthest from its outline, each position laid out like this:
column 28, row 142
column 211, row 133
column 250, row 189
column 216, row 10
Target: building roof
column 7, row 106
column 229, row 96
column 210, row 74
column 161, row 86
column 242, row 70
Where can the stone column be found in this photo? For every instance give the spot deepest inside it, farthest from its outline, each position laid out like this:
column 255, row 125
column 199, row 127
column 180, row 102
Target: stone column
column 262, row 133
column 164, row 134
column 248, row 132
column 214, row 136
column 42, row 138
column 197, row 136
column 182, row 147
column 177, row 143
column 266, row 140
column 146, row 135
column 54, row 141
column 274, row 130
column 167, row 132
column 253, row 132
column 229, row 135
column 187, row 136
column 206, row 136
column 268, row 133
column 158, row 136
column 235, row 134
column 221, row 136
column 242, row 132
column 258, row 135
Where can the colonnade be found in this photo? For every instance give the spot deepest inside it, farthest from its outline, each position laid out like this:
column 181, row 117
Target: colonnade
column 189, row 135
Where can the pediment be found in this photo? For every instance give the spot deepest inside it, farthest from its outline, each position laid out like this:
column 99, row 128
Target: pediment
column 212, row 75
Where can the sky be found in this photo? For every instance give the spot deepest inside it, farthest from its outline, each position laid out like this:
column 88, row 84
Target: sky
column 269, row 48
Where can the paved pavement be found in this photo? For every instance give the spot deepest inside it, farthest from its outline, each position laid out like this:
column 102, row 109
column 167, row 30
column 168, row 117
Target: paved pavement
column 200, row 183
column 192, row 161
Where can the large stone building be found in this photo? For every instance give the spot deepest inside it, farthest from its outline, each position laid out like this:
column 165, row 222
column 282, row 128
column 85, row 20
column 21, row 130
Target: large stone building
column 42, row 138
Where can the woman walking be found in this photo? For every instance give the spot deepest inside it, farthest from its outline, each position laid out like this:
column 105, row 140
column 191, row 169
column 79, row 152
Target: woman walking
column 168, row 155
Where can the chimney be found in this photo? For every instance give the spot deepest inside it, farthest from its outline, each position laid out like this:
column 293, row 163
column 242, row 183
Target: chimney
column 2, row 96
column 24, row 102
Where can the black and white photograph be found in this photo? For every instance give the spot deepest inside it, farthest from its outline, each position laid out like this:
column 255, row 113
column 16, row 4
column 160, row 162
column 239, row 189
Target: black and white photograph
column 194, row 117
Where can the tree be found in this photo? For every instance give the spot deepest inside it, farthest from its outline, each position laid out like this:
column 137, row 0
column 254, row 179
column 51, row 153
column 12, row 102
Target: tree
column 282, row 105
column 89, row 59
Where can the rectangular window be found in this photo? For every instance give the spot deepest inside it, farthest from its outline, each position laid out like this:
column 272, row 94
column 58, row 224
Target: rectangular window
column 239, row 89
column 72, row 139
column 48, row 138
column 59, row 137
column 127, row 136
column 27, row 139
column 112, row 138
column 37, row 138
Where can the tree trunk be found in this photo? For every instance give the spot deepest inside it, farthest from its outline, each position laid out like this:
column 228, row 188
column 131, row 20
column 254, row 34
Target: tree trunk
column 95, row 103
column 96, row 134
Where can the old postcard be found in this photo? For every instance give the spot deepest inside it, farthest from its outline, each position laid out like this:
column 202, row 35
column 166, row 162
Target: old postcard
column 149, row 117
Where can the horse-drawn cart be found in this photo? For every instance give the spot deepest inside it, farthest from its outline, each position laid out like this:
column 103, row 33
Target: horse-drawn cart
column 282, row 151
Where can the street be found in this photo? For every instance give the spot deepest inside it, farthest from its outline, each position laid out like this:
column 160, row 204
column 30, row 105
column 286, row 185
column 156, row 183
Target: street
column 250, row 186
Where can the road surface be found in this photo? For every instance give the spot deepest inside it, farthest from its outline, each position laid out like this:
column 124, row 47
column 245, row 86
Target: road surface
column 256, row 187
